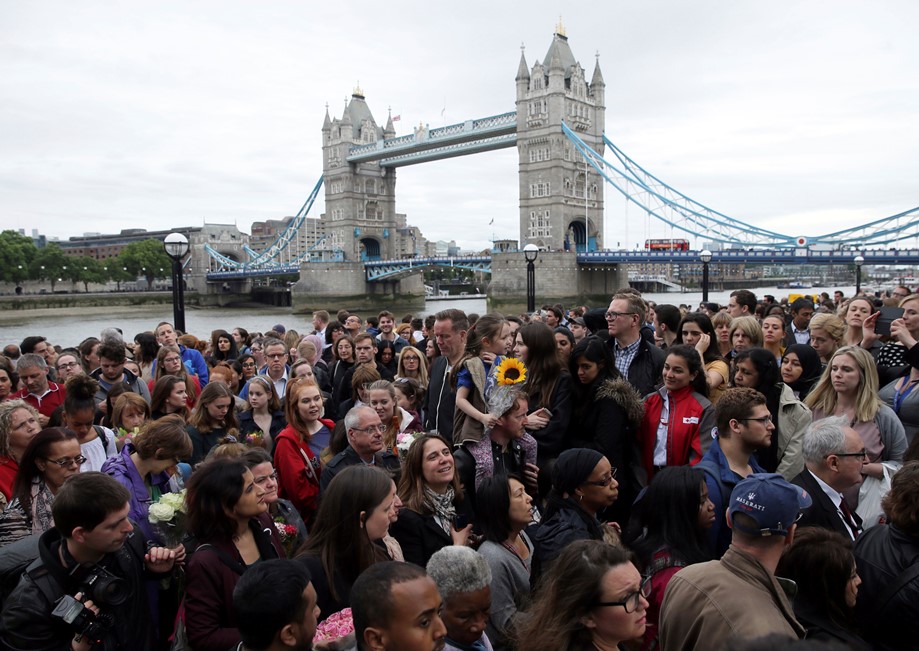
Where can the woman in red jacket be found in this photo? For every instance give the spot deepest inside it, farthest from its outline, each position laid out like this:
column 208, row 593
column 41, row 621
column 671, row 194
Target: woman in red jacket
column 296, row 459
column 679, row 418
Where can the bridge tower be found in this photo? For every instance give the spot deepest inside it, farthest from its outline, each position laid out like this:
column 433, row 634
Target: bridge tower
column 561, row 197
column 360, row 199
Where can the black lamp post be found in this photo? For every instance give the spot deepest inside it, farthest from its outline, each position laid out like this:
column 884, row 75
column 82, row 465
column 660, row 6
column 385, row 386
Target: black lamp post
column 531, row 252
column 859, row 261
column 176, row 246
column 706, row 256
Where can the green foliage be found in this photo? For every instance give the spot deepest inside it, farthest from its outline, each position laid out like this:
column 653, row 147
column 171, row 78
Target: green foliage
column 89, row 270
column 48, row 264
column 16, row 254
column 147, row 258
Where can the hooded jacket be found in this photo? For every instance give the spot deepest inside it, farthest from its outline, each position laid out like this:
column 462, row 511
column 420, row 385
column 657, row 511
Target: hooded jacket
column 690, row 426
column 135, row 385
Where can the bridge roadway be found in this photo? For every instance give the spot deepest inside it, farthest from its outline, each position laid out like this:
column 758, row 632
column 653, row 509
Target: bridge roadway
column 379, row 270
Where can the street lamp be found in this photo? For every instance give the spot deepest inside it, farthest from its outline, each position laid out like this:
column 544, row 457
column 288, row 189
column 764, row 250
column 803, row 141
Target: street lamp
column 176, row 246
column 859, row 261
column 531, row 252
column 706, row 256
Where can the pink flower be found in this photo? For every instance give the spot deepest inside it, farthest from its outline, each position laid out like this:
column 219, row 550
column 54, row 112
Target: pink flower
column 337, row 626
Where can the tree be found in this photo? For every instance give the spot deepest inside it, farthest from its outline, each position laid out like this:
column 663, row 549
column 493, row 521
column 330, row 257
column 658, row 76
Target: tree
column 16, row 254
column 89, row 270
column 48, row 264
column 147, row 258
column 115, row 270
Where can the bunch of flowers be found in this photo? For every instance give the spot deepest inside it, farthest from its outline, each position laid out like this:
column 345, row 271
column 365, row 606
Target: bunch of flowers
column 336, row 633
column 511, row 371
column 256, row 439
column 288, row 535
column 123, row 436
column 404, row 441
column 167, row 515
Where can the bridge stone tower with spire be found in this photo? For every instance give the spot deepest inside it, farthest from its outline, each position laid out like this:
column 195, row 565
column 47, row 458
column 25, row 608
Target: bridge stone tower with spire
column 360, row 199
column 561, row 198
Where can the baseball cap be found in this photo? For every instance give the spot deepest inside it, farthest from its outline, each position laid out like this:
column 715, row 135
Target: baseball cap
column 771, row 501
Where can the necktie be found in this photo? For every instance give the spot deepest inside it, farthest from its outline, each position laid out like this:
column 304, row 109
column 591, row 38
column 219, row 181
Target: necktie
column 849, row 520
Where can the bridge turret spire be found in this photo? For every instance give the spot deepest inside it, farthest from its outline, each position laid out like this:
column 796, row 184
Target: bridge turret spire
column 389, row 130
column 597, row 80
column 523, row 72
column 327, row 123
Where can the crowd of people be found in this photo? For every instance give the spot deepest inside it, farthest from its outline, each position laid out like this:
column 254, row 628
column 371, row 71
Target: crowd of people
column 631, row 476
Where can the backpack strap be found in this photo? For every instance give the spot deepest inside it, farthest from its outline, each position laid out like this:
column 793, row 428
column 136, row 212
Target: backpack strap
column 711, row 470
column 100, row 432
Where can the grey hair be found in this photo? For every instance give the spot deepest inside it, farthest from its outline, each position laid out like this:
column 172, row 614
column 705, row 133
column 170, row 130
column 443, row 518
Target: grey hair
column 6, row 417
column 824, row 437
column 457, row 570
column 353, row 417
column 111, row 334
column 30, row 360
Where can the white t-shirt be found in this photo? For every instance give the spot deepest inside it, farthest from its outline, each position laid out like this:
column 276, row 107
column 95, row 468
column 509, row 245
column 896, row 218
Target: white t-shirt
column 95, row 453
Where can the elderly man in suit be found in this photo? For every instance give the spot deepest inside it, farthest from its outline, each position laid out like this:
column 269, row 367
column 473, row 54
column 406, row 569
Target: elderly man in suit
column 834, row 455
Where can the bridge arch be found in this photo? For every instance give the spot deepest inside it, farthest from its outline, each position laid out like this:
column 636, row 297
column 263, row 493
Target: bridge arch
column 370, row 249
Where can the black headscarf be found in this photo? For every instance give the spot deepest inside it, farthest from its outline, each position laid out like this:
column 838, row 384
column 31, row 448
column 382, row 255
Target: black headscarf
column 812, row 369
column 572, row 468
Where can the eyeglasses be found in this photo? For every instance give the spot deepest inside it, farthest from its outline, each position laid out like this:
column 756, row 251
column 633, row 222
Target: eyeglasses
column 68, row 461
column 276, row 356
column 612, row 316
column 863, row 454
column 762, row 420
column 264, row 478
column 371, row 428
column 68, row 365
column 172, row 360
column 249, row 365
column 606, row 481
column 632, row 600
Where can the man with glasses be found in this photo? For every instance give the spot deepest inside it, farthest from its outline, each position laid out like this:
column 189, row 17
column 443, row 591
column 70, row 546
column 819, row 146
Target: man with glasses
column 365, row 445
column 638, row 360
column 276, row 368
column 68, row 365
column 738, row 597
column 834, row 455
column 744, row 426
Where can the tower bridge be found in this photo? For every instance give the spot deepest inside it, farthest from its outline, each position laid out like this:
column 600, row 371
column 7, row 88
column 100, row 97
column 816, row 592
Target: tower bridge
column 368, row 253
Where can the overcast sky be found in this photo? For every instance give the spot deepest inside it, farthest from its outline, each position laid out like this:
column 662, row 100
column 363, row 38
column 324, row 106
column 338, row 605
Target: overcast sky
column 797, row 116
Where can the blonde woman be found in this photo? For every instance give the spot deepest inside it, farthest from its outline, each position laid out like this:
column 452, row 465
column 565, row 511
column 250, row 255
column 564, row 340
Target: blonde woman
column 745, row 333
column 827, row 333
column 413, row 364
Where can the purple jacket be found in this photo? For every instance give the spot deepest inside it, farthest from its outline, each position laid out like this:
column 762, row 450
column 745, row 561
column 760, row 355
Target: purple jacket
column 124, row 471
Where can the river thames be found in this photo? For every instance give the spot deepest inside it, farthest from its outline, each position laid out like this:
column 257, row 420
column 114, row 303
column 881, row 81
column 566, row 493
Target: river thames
column 68, row 327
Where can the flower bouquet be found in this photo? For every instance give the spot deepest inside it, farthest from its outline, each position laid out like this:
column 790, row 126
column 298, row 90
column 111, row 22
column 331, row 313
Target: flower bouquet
column 510, row 371
column 167, row 515
column 255, row 439
column 336, row 633
column 288, row 535
column 404, row 441
column 123, row 436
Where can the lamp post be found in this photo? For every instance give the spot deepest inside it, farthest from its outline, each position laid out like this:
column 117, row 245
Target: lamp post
column 859, row 261
column 706, row 256
column 531, row 252
column 176, row 246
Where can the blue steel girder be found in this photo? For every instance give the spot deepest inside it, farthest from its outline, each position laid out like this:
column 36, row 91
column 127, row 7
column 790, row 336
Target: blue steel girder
column 452, row 151
column 755, row 256
column 395, row 269
column 425, row 139
column 288, row 234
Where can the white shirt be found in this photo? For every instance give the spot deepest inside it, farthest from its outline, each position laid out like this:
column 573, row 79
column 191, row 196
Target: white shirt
column 836, row 498
column 663, row 430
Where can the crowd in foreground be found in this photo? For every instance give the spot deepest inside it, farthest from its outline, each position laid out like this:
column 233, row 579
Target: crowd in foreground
column 632, row 476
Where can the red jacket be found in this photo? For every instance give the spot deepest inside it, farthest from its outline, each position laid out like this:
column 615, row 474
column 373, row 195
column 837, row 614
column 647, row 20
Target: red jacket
column 298, row 483
column 689, row 429
column 47, row 403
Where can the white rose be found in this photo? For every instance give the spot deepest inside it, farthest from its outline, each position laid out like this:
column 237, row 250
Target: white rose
column 160, row 512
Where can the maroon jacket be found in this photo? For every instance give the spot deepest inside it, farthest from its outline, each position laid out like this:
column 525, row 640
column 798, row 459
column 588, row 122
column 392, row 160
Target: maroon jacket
column 209, row 617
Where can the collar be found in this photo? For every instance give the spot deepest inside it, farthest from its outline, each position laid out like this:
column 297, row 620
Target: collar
column 834, row 495
column 629, row 348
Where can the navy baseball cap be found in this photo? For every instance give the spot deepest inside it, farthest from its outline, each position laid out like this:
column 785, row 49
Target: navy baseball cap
column 771, row 501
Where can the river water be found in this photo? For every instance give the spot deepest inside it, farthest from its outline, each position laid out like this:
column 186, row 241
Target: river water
column 68, row 327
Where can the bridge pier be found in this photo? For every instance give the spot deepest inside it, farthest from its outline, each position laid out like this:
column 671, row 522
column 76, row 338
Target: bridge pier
column 559, row 279
column 336, row 285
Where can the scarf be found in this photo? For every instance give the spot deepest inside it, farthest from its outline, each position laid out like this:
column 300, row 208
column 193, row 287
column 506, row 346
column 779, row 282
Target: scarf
column 42, row 499
column 442, row 506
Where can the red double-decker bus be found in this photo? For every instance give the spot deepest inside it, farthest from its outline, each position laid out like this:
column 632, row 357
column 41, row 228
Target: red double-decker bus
column 667, row 245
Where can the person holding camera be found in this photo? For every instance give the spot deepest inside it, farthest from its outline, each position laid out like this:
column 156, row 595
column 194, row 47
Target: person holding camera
column 86, row 589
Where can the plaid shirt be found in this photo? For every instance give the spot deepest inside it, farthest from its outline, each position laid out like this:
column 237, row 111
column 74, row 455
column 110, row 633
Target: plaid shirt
column 625, row 356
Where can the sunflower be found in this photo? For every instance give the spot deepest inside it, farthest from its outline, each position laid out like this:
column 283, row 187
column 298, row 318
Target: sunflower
column 511, row 371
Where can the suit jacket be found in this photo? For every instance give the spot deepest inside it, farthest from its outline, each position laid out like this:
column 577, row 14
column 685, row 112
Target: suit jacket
column 822, row 512
column 790, row 336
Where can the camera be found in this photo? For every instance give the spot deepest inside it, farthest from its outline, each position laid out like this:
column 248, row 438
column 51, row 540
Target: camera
column 82, row 619
column 104, row 588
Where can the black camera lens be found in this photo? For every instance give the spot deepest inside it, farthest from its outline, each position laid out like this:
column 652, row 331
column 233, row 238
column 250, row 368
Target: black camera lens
column 106, row 589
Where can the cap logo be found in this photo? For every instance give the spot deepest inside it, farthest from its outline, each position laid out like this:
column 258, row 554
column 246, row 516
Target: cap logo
column 751, row 496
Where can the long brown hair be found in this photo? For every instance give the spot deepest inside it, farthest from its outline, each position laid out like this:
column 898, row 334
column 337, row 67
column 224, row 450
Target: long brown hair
column 190, row 388
column 543, row 364
column 201, row 419
column 411, row 485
